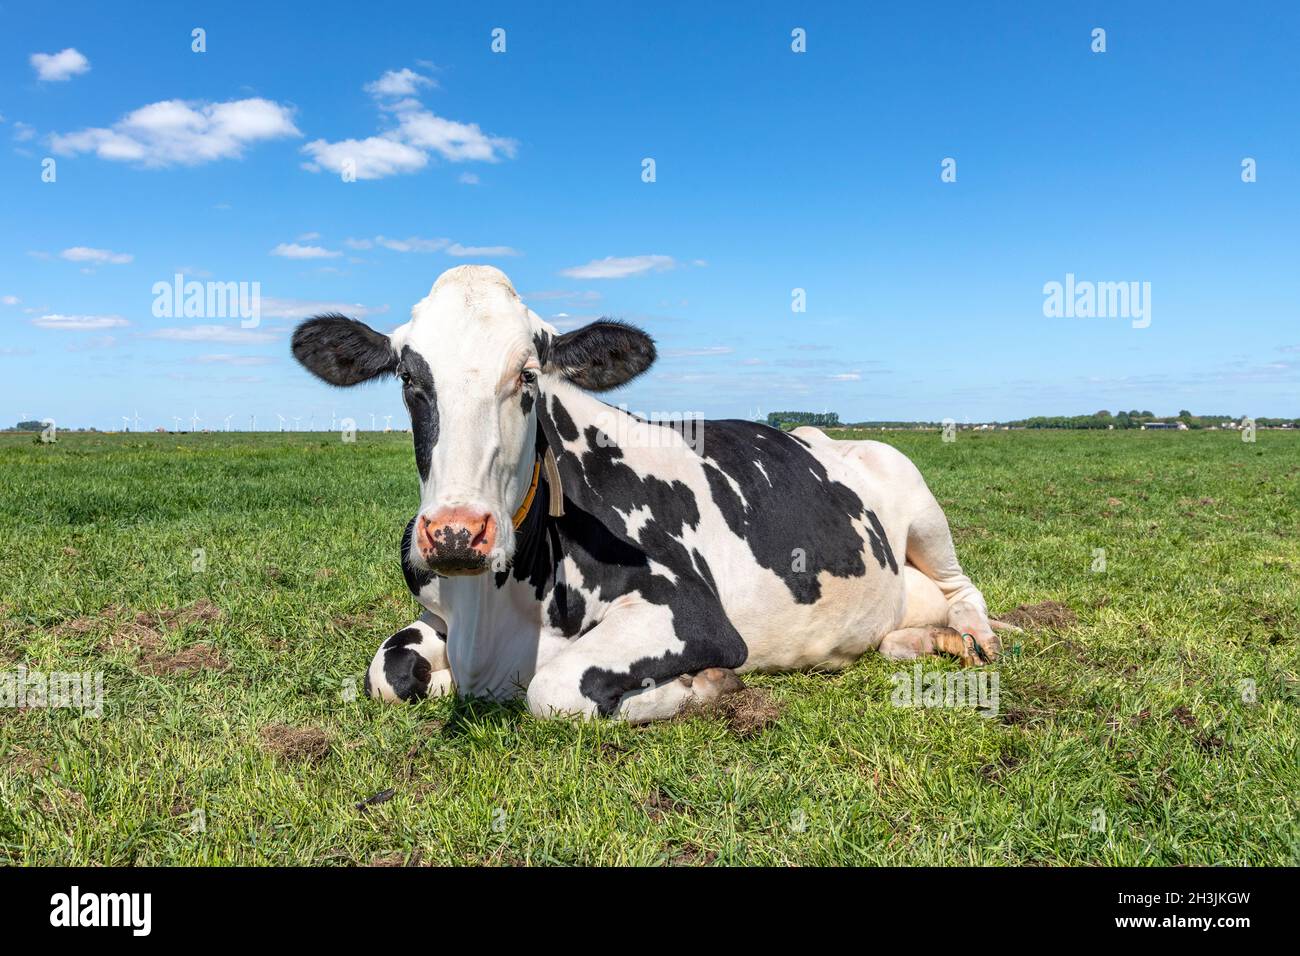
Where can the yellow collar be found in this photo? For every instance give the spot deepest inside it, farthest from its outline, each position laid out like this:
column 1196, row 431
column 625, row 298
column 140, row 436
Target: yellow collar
column 522, row 513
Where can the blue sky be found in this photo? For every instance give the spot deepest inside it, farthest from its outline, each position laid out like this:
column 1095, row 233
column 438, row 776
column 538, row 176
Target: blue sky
column 775, row 170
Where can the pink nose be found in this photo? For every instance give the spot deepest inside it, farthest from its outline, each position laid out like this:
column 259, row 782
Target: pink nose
column 456, row 539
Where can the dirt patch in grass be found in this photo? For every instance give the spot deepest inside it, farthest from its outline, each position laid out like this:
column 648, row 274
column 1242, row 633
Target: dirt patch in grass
column 659, row 803
column 295, row 744
column 196, row 658
column 142, row 635
column 397, row 858
column 201, row 610
column 1045, row 614
column 747, row 713
column 691, row 854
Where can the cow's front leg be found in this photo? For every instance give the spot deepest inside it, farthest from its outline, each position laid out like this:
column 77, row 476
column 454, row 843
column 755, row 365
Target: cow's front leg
column 634, row 666
column 411, row 664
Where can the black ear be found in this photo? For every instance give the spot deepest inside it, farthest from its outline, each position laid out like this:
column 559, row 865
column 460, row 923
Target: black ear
column 343, row 351
column 602, row 355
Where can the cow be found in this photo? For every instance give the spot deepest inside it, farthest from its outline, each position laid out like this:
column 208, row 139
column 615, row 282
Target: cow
column 602, row 564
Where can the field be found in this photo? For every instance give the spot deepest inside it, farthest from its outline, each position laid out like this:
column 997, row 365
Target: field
column 232, row 588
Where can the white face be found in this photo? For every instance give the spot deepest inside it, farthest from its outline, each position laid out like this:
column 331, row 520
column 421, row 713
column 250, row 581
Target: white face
column 473, row 362
column 469, row 366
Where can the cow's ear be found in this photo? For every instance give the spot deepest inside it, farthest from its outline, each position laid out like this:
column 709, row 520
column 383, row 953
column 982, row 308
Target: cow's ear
column 343, row 351
column 602, row 355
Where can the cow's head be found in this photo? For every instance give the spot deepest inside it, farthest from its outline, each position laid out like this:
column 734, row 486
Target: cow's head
column 473, row 361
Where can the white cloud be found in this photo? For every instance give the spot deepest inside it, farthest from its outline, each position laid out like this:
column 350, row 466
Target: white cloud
column 491, row 252
column 86, row 254
column 292, row 250
column 23, row 132
column 566, row 295
column 846, row 377
column 226, row 359
column 413, row 244
column 469, row 179
column 456, row 142
column 64, row 65
column 308, row 236
column 295, row 309
column 406, row 148
column 178, row 133
column 403, row 82
column 419, row 244
column 79, row 323
column 10, row 300
column 372, row 158
column 612, row 267
column 213, row 333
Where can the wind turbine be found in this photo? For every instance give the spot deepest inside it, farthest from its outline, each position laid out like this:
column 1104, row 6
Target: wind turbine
column 332, row 420
column 177, row 419
column 252, row 423
column 282, row 420
column 388, row 423
column 126, row 423
column 228, row 418
column 137, row 419
column 296, row 420
column 311, row 423
column 194, row 421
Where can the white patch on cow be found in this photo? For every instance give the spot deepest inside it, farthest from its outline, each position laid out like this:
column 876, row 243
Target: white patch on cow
column 662, row 571
column 635, row 520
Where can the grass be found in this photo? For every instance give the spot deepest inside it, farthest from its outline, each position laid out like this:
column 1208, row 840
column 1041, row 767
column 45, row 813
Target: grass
column 229, row 735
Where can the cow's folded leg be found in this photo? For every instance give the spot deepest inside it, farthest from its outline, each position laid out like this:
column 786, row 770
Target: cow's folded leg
column 633, row 666
column 912, row 642
column 411, row 664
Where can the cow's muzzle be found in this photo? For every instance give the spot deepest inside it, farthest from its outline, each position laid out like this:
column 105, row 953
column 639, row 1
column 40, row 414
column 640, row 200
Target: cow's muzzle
column 456, row 540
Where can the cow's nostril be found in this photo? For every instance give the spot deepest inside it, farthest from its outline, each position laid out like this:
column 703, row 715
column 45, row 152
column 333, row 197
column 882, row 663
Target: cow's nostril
column 481, row 536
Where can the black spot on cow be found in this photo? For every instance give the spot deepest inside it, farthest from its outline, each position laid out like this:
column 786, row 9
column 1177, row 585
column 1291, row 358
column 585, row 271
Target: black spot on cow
column 788, row 501
column 542, row 346
column 563, row 423
column 880, row 543
column 526, row 400
column 421, row 398
column 406, row 671
column 416, row 578
column 566, row 610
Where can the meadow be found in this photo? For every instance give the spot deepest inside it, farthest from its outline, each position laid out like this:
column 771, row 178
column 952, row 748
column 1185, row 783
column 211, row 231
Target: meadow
column 231, row 589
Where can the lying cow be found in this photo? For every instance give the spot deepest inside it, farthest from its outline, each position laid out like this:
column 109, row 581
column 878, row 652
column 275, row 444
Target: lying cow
column 602, row 564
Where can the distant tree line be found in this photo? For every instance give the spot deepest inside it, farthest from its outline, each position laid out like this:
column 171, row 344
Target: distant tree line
column 819, row 419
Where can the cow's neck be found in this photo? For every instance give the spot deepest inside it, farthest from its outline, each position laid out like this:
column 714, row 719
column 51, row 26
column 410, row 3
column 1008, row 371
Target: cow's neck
column 566, row 418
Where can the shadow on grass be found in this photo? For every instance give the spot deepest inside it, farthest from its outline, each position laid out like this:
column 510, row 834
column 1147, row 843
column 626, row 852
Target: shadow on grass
column 474, row 714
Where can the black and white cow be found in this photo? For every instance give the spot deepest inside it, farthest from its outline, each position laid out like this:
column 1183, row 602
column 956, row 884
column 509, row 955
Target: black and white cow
column 602, row 564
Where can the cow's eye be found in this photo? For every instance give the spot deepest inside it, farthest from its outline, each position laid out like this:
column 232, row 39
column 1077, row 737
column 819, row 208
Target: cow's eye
column 406, row 379
column 528, row 376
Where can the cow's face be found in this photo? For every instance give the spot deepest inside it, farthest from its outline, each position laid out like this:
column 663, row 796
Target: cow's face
column 473, row 362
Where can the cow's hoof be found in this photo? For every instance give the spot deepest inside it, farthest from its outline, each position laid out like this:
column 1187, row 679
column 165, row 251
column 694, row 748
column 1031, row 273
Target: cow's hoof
column 715, row 682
